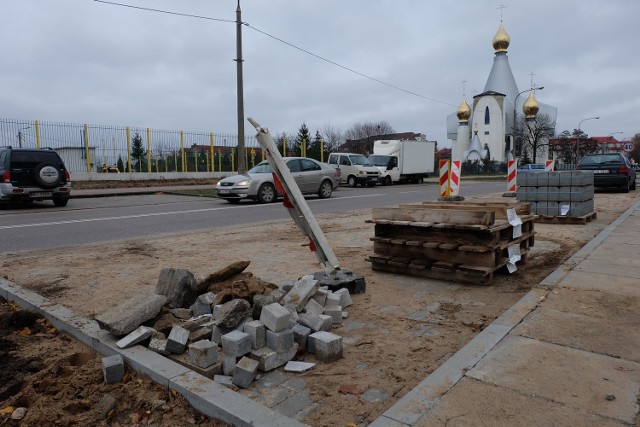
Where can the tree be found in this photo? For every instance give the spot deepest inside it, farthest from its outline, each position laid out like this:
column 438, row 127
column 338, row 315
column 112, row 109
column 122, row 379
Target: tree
column 332, row 138
column 121, row 167
column 314, row 147
column 635, row 153
column 535, row 137
column 361, row 135
column 137, row 151
column 302, row 138
column 572, row 146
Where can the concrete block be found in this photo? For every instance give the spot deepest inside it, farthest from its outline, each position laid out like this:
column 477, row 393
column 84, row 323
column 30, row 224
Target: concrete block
column 543, row 179
column 268, row 359
column 335, row 313
column 280, row 341
column 260, row 301
column 225, row 380
column 136, row 337
column 321, row 295
column 342, row 279
column 278, row 294
column 542, row 194
column 552, row 208
column 126, row 317
column 275, row 317
column 298, row 367
column 229, row 365
column 301, row 292
column 113, row 368
column 532, row 193
column 314, row 306
column 185, row 360
column 565, row 194
column 554, row 179
column 203, row 353
column 203, row 304
column 158, row 344
column 552, row 194
column 319, row 322
column 541, row 208
column 243, row 322
column 257, row 333
column 327, row 346
column 294, row 315
column 236, row 343
column 333, row 300
column 177, row 340
column 217, row 332
column 523, row 179
column 245, row 373
column 345, row 297
column 195, row 324
column 287, row 285
column 564, row 178
column 300, row 335
column 521, row 194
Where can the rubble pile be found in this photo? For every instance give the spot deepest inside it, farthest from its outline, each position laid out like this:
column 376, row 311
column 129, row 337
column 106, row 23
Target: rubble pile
column 258, row 328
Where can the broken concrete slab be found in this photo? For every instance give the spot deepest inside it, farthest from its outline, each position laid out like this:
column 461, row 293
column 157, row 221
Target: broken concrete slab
column 178, row 285
column 126, row 317
column 136, row 337
column 209, row 372
column 158, row 343
column 343, row 279
column 232, row 313
column 298, row 367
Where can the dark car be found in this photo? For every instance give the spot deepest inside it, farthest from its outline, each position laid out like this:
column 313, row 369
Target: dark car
column 610, row 170
column 28, row 174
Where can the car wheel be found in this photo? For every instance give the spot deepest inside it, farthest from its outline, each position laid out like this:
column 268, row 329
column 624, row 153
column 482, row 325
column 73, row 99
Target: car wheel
column 351, row 181
column 60, row 202
column 267, row 193
column 46, row 175
column 625, row 187
column 326, row 188
column 387, row 180
column 633, row 186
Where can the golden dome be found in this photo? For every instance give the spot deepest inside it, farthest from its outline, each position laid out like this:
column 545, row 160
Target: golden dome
column 530, row 107
column 501, row 40
column 463, row 112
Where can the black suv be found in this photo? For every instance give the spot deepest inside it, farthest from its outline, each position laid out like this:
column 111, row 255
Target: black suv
column 33, row 174
column 610, row 170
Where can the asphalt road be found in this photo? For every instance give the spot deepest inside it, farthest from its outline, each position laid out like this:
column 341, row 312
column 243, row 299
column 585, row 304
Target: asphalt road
column 40, row 225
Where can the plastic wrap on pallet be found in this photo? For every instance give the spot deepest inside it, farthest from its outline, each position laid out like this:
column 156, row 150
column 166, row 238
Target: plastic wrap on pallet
column 515, row 221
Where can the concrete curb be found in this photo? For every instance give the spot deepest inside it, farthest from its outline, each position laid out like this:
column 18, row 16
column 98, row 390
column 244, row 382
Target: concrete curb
column 203, row 394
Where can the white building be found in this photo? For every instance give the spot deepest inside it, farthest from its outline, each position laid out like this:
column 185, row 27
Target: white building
column 490, row 128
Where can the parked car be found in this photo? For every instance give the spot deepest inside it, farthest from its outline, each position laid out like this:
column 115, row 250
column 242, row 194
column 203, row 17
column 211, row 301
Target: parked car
column 356, row 169
column 311, row 176
column 610, row 170
column 28, row 174
column 532, row 167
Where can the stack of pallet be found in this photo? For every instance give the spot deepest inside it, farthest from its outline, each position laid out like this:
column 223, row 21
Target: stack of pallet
column 458, row 241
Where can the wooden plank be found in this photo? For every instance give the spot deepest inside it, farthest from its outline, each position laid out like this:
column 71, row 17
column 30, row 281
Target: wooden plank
column 436, row 216
column 457, row 276
column 397, row 241
column 484, row 259
column 414, row 242
column 567, row 219
column 500, row 209
column 449, row 246
column 421, row 224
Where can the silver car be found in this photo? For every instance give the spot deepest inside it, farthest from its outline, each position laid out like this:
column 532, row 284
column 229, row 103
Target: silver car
column 311, row 176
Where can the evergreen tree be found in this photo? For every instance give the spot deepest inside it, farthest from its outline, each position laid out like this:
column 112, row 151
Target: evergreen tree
column 314, row 147
column 137, row 151
column 303, row 135
column 121, row 164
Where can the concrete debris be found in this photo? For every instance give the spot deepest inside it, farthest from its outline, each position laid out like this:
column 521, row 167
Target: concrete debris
column 223, row 274
column 203, row 353
column 232, row 313
column 343, row 279
column 158, row 344
column 203, row 304
column 113, row 369
column 236, row 343
column 301, row 292
column 136, row 337
column 245, row 372
column 178, row 285
column 126, row 318
column 298, row 367
column 177, row 340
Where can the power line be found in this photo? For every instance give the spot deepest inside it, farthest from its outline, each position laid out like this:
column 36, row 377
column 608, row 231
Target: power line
column 187, row 15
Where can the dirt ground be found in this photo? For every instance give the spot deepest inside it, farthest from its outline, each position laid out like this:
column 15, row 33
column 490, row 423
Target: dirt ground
column 398, row 332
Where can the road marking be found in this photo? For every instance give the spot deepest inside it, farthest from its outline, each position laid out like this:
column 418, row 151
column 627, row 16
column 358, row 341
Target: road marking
column 115, row 218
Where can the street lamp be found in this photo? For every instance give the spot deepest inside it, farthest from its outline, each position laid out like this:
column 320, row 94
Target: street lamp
column 578, row 142
column 515, row 103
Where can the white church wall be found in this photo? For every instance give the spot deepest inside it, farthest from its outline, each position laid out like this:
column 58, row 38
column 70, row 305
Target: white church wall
column 493, row 133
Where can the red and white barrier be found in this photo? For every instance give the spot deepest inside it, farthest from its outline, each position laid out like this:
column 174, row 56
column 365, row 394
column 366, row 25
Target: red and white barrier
column 444, row 178
column 454, row 179
column 512, row 168
column 548, row 166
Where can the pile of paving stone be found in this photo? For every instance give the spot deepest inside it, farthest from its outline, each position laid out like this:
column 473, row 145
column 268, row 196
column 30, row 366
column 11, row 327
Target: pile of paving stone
column 231, row 342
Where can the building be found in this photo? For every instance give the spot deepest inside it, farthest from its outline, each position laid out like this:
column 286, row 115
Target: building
column 491, row 127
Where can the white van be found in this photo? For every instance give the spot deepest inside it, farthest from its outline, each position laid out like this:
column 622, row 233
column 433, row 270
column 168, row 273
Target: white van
column 355, row 169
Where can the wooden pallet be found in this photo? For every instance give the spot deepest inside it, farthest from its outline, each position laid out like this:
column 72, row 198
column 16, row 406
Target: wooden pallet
column 543, row 219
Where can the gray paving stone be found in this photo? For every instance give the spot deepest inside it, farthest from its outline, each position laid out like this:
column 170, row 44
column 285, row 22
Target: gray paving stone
column 345, row 297
column 203, row 353
column 335, row 313
column 229, row 365
column 299, row 295
column 374, row 396
column 245, row 372
column 269, row 359
column 275, row 317
column 300, row 335
column 177, row 340
column 232, row 313
column 257, row 331
column 327, row 346
column 280, row 341
column 316, row 322
column 314, row 307
column 136, row 337
column 294, row 404
column 236, row 343
column 158, row 343
column 298, row 367
column 113, row 368
column 126, row 317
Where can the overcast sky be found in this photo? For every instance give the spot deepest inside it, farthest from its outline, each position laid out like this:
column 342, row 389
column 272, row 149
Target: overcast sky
column 82, row 61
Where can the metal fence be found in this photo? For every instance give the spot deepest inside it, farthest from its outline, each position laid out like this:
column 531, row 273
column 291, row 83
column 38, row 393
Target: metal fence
column 96, row 148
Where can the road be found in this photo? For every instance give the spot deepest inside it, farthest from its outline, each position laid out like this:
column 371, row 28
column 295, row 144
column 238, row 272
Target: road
column 108, row 219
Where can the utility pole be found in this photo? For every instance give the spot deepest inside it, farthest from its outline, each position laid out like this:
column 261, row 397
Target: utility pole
column 241, row 150
column 20, row 138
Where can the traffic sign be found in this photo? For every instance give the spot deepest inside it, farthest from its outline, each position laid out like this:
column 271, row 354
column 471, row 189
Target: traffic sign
column 628, row 147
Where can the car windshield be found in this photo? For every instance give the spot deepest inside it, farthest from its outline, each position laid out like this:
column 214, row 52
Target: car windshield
column 359, row 159
column 263, row 167
column 536, row 166
column 379, row 160
column 601, row 158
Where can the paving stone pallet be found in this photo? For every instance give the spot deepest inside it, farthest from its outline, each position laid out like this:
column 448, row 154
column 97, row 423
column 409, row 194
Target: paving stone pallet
column 544, row 219
column 469, row 247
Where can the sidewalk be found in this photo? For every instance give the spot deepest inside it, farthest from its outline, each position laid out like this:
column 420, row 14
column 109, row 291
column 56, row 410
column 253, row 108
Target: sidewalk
column 568, row 353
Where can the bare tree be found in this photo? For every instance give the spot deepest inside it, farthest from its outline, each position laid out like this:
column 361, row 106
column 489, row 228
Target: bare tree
column 332, row 137
column 361, row 135
column 535, row 137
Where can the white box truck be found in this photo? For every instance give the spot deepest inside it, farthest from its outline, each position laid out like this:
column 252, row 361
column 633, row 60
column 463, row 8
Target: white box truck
column 403, row 159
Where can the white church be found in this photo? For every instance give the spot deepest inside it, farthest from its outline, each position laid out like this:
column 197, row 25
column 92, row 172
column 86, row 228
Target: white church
column 491, row 127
